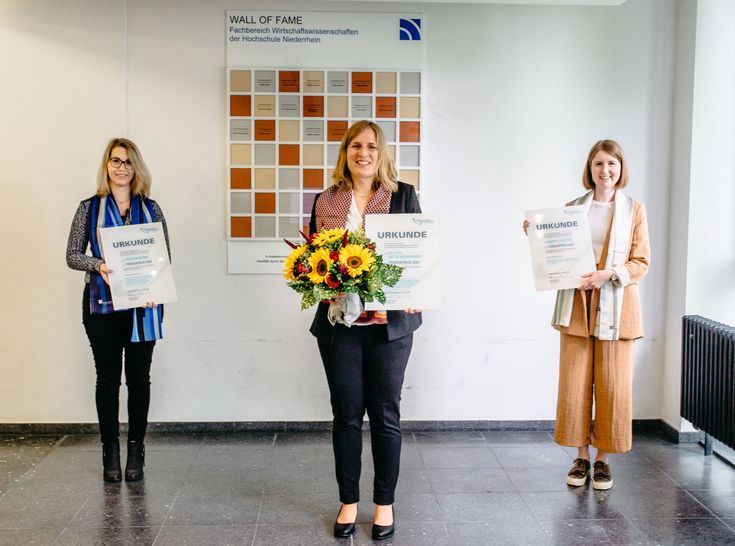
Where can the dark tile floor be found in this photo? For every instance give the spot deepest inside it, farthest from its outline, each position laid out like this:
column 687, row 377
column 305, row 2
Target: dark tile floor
column 456, row 488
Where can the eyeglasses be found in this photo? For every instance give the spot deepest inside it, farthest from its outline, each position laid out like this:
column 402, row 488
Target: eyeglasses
column 116, row 162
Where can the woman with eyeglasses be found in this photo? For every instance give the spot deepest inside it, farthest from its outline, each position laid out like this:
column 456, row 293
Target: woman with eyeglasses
column 123, row 187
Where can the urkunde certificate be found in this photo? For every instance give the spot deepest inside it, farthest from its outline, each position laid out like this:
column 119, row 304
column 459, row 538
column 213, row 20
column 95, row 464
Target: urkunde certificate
column 561, row 247
column 138, row 258
column 410, row 241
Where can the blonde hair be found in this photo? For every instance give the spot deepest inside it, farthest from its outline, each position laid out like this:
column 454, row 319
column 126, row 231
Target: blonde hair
column 385, row 175
column 613, row 148
column 141, row 183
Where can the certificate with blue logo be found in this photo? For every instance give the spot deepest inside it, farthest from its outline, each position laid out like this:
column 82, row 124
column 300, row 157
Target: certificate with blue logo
column 561, row 247
column 141, row 271
column 410, row 241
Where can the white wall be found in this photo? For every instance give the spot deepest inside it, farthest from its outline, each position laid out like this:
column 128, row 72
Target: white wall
column 701, row 272
column 515, row 96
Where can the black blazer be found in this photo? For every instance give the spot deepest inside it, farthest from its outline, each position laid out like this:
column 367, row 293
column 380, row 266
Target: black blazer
column 400, row 323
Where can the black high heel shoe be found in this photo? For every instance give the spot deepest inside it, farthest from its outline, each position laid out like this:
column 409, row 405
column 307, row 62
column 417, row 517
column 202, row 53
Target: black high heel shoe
column 344, row 530
column 381, row 532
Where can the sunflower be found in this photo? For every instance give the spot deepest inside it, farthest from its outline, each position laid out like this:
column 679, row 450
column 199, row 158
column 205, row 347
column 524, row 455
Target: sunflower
column 327, row 236
column 320, row 263
column 356, row 258
column 290, row 262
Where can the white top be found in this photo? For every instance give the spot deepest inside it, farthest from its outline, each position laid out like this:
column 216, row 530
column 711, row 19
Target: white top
column 354, row 218
column 599, row 218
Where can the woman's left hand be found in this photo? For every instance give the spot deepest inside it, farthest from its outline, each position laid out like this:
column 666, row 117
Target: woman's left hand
column 595, row 279
column 149, row 304
column 413, row 310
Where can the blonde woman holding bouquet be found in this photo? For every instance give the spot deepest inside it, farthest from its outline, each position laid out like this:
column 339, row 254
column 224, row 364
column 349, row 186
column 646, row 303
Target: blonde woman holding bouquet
column 600, row 320
column 364, row 353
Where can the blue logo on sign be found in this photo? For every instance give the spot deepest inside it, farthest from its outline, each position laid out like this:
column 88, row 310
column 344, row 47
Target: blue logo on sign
column 410, row 29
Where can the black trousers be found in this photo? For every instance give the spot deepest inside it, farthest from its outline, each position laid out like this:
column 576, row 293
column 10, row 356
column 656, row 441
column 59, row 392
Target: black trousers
column 109, row 337
column 365, row 372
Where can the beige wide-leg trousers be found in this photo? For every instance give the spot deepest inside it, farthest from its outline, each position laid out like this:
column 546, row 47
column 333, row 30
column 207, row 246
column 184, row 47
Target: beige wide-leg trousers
column 604, row 369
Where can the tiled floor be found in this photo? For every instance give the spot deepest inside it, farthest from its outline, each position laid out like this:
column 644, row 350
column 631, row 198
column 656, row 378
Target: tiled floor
column 456, row 488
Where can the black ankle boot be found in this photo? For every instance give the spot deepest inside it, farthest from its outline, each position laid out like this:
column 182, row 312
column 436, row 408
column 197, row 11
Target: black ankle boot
column 111, row 461
column 136, row 461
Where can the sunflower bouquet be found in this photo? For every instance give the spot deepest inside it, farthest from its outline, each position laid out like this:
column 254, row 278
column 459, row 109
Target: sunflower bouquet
column 338, row 261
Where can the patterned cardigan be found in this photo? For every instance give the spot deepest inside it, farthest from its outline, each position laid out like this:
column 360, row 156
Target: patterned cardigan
column 400, row 323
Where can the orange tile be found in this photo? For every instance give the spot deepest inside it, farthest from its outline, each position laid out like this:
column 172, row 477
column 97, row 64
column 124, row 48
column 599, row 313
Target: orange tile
column 288, row 81
column 313, row 178
column 241, row 226
column 240, row 105
column 385, row 107
column 410, row 131
column 336, row 130
column 313, row 107
column 362, row 82
column 240, row 179
column 288, row 154
column 265, row 203
column 265, row 129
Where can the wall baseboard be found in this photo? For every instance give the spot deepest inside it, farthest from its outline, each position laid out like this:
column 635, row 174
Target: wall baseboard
column 639, row 425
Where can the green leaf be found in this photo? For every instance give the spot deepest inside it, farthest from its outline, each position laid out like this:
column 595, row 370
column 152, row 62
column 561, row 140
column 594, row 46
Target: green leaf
column 308, row 300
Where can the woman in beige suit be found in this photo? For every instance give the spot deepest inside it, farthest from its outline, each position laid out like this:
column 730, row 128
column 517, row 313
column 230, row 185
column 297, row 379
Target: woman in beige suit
column 600, row 320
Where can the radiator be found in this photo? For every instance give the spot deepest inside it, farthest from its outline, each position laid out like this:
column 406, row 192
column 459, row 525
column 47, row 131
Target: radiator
column 708, row 377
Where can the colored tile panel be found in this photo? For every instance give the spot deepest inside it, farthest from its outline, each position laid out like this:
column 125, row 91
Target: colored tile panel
column 288, row 130
column 313, row 81
column 385, row 107
column 313, row 154
column 288, row 154
column 337, row 82
column 313, row 106
column 240, row 154
column 265, row 106
column 240, row 81
column 265, row 203
column 240, row 179
column 362, row 82
column 265, row 179
column 240, row 105
column 265, row 81
column 385, row 82
column 265, row 129
column 337, row 107
column 288, row 81
column 410, row 131
column 241, row 226
column 314, row 178
column 336, row 130
column 410, row 107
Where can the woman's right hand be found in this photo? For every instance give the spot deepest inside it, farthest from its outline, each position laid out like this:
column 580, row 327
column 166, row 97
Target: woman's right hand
column 105, row 271
column 525, row 226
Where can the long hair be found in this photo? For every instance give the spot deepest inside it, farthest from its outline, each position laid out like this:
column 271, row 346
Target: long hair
column 385, row 175
column 141, row 182
column 613, row 148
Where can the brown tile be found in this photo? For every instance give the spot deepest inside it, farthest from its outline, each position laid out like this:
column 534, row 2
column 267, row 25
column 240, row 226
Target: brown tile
column 410, row 131
column 265, row 129
column 288, row 81
column 288, row 154
column 410, row 107
column 362, row 82
column 240, row 179
column 265, row 203
column 313, row 107
column 336, row 130
column 240, row 105
column 385, row 107
column 313, row 154
column 265, row 179
column 314, row 178
column 241, row 226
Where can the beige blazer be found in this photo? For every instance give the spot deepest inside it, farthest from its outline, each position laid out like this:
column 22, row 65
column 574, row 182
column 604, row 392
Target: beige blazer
column 583, row 321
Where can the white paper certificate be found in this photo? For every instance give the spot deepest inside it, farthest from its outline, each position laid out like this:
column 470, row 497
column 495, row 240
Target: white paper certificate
column 138, row 258
column 410, row 241
column 561, row 247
